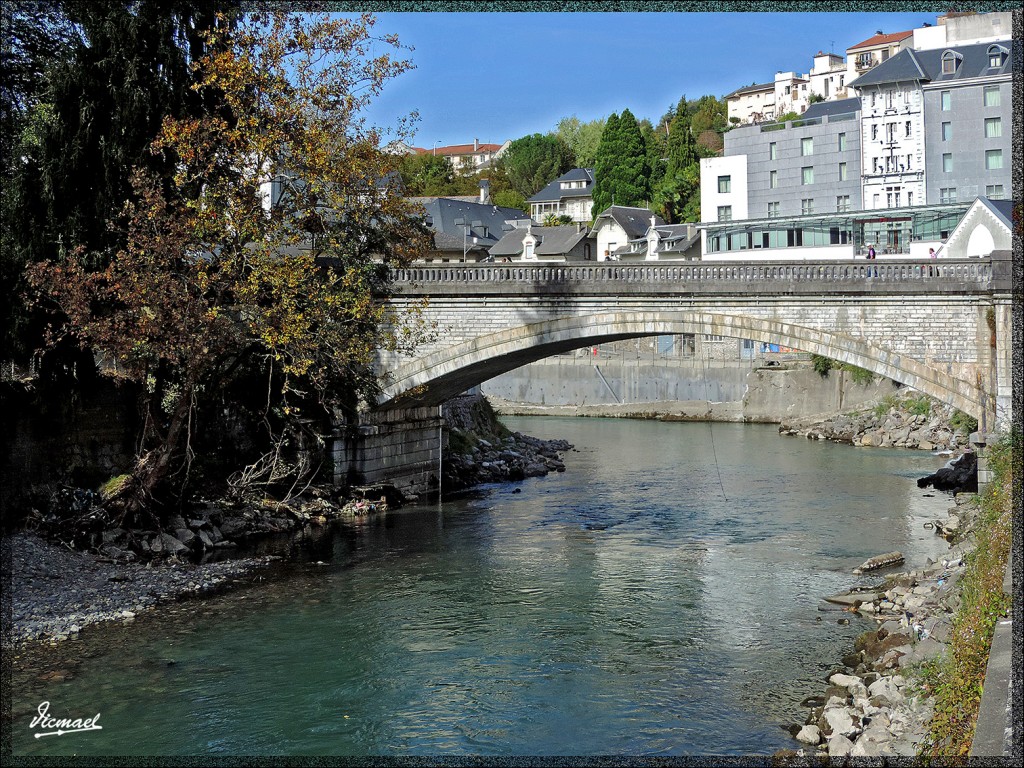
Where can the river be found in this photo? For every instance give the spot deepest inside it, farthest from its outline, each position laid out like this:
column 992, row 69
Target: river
column 658, row 598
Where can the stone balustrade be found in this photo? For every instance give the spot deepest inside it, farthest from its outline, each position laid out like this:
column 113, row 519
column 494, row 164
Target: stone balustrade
column 721, row 278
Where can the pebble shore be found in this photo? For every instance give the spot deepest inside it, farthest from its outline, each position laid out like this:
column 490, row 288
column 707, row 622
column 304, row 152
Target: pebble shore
column 873, row 708
column 54, row 592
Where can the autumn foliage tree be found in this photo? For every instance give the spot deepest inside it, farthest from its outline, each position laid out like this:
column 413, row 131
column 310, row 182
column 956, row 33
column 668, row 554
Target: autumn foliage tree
column 268, row 249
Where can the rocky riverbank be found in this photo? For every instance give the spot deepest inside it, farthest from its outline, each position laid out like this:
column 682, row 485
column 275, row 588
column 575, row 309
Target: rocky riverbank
column 77, row 569
column 910, row 421
column 54, row 592
column 874, row 707
column 481, row 450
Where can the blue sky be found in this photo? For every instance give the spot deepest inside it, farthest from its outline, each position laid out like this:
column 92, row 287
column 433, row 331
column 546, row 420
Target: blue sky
column 498, row 76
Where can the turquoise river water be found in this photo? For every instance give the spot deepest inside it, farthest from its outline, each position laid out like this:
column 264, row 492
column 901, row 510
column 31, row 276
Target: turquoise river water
column 658, row 598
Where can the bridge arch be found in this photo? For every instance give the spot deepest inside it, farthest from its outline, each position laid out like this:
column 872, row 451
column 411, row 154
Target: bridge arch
column 445, row 373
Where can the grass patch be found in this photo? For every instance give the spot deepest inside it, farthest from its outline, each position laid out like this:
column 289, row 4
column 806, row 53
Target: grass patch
column 955, row 680
column 961, row 422
column 823, row 365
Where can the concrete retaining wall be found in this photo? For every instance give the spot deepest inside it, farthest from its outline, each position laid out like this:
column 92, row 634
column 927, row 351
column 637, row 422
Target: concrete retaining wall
column 681, row 387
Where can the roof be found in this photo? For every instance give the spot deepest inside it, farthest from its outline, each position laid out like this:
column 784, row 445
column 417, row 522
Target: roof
column 634, row 221
column 883, row 39
column 553, row 241
column 752, row 89
column 909, row 64
column 458, row 149
column 442, row 213
column 1001, row 209
column 836, row 107
column 554, row 192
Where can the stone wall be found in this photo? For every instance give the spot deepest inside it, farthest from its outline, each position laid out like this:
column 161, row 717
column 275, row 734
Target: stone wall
column 400, row 447
column 82, row 442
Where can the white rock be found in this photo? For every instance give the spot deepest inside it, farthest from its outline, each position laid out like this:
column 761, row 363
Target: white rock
column 845, row 681
column 841, row 721
column 839, row 746
column 809, row 734
column 888, row 690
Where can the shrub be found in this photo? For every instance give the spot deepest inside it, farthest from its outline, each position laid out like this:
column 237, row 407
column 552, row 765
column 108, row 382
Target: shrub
column 961, row 422
column 822, row 365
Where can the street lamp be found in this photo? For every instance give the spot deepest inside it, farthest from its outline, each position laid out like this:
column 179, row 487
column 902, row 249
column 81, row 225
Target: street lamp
column 435, row 148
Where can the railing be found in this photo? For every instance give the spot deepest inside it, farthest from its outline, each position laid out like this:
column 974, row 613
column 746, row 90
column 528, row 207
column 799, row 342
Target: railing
column 860, row 273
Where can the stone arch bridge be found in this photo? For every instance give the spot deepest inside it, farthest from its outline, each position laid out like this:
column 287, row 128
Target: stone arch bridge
column 943, row 328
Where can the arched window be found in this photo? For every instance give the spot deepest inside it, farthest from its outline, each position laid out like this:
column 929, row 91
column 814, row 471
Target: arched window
column 950, row 62
column 997, row 55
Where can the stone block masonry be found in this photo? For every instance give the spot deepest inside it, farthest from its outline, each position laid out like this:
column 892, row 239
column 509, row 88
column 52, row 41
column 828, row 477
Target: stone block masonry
column 401, row 447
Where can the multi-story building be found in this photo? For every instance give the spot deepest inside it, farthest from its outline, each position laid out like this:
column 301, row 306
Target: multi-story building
column 868, row 54
column 467, row 158
column 928, row 132
column 763, row 102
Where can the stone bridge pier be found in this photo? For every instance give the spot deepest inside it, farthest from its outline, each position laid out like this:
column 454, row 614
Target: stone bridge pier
column 402, row 447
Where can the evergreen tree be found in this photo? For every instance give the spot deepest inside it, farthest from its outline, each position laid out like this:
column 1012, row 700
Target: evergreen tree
column 673, row 194
column 622, row 171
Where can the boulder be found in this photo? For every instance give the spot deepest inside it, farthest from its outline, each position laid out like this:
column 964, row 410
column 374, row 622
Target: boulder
column 839, row 746
column 958, row 476
column 809, row 734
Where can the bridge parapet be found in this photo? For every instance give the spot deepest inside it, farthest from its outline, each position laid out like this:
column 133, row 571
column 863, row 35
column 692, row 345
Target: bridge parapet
column 902, row 276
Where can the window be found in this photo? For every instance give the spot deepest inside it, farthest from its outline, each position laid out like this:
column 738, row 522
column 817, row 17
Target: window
column 773, row 210
column 874, row 132
column 807, row 205
column 842, row 171
column 806, row 147
column 994, row 191
column 773, row 179
column 947, row 195
column 992, row 96
column 910, row 198
column 874, row 165
column 993, row 159
column 993, row 128
column 725, row 213
column 842, row 203
column 950, row 62
column 947, row 131
column 906, row 131
column 996, row 55
column 842, row 142
column 945, row 100
column 724, row 184
column 947, row 162
column 773, row 151
column 807, row 175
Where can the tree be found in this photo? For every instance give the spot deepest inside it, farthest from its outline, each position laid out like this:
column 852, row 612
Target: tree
column 581, row 137
column 427, row 175
column 709, row 121
column 211, row 279
column 673, row 194
column 98, row 99
column 621, row 168
column 534, row 161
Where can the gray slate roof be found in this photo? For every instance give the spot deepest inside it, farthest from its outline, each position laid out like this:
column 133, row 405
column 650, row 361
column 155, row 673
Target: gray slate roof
column 554, row 241
column 553, row 192
column 634, row 221
column 837, row 107
column 909, row 64
column 1001, row 209
column 441, row 213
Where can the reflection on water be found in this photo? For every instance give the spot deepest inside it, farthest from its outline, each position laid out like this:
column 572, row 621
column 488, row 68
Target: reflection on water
column 654, row 599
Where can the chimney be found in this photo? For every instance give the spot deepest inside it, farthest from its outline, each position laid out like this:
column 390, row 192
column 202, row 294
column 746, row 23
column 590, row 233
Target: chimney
column 476, row 145
column 485, row 192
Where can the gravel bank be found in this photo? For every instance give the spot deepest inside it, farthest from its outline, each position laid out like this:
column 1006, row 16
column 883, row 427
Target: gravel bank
column 54, row 592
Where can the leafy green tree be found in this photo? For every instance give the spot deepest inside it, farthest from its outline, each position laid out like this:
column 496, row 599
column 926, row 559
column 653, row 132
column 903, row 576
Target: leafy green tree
column 534, row 161
column 709, row 121
column 656, row 143
column 509, row 198
column 621, row 169
column 672, row 196
column 211, row 279
column 427, row 175
column 582, row 138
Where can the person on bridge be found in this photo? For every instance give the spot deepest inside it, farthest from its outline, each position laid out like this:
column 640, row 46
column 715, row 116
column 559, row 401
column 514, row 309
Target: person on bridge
column 871, row 255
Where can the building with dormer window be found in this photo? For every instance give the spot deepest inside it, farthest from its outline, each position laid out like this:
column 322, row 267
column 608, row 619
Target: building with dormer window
column 571, row 194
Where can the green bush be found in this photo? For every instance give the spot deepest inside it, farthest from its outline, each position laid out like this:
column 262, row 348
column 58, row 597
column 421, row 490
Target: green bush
column 822, row 365
column 961, row 422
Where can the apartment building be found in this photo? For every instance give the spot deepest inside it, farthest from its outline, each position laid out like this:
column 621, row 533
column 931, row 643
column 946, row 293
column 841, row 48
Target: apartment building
column 927, row 133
